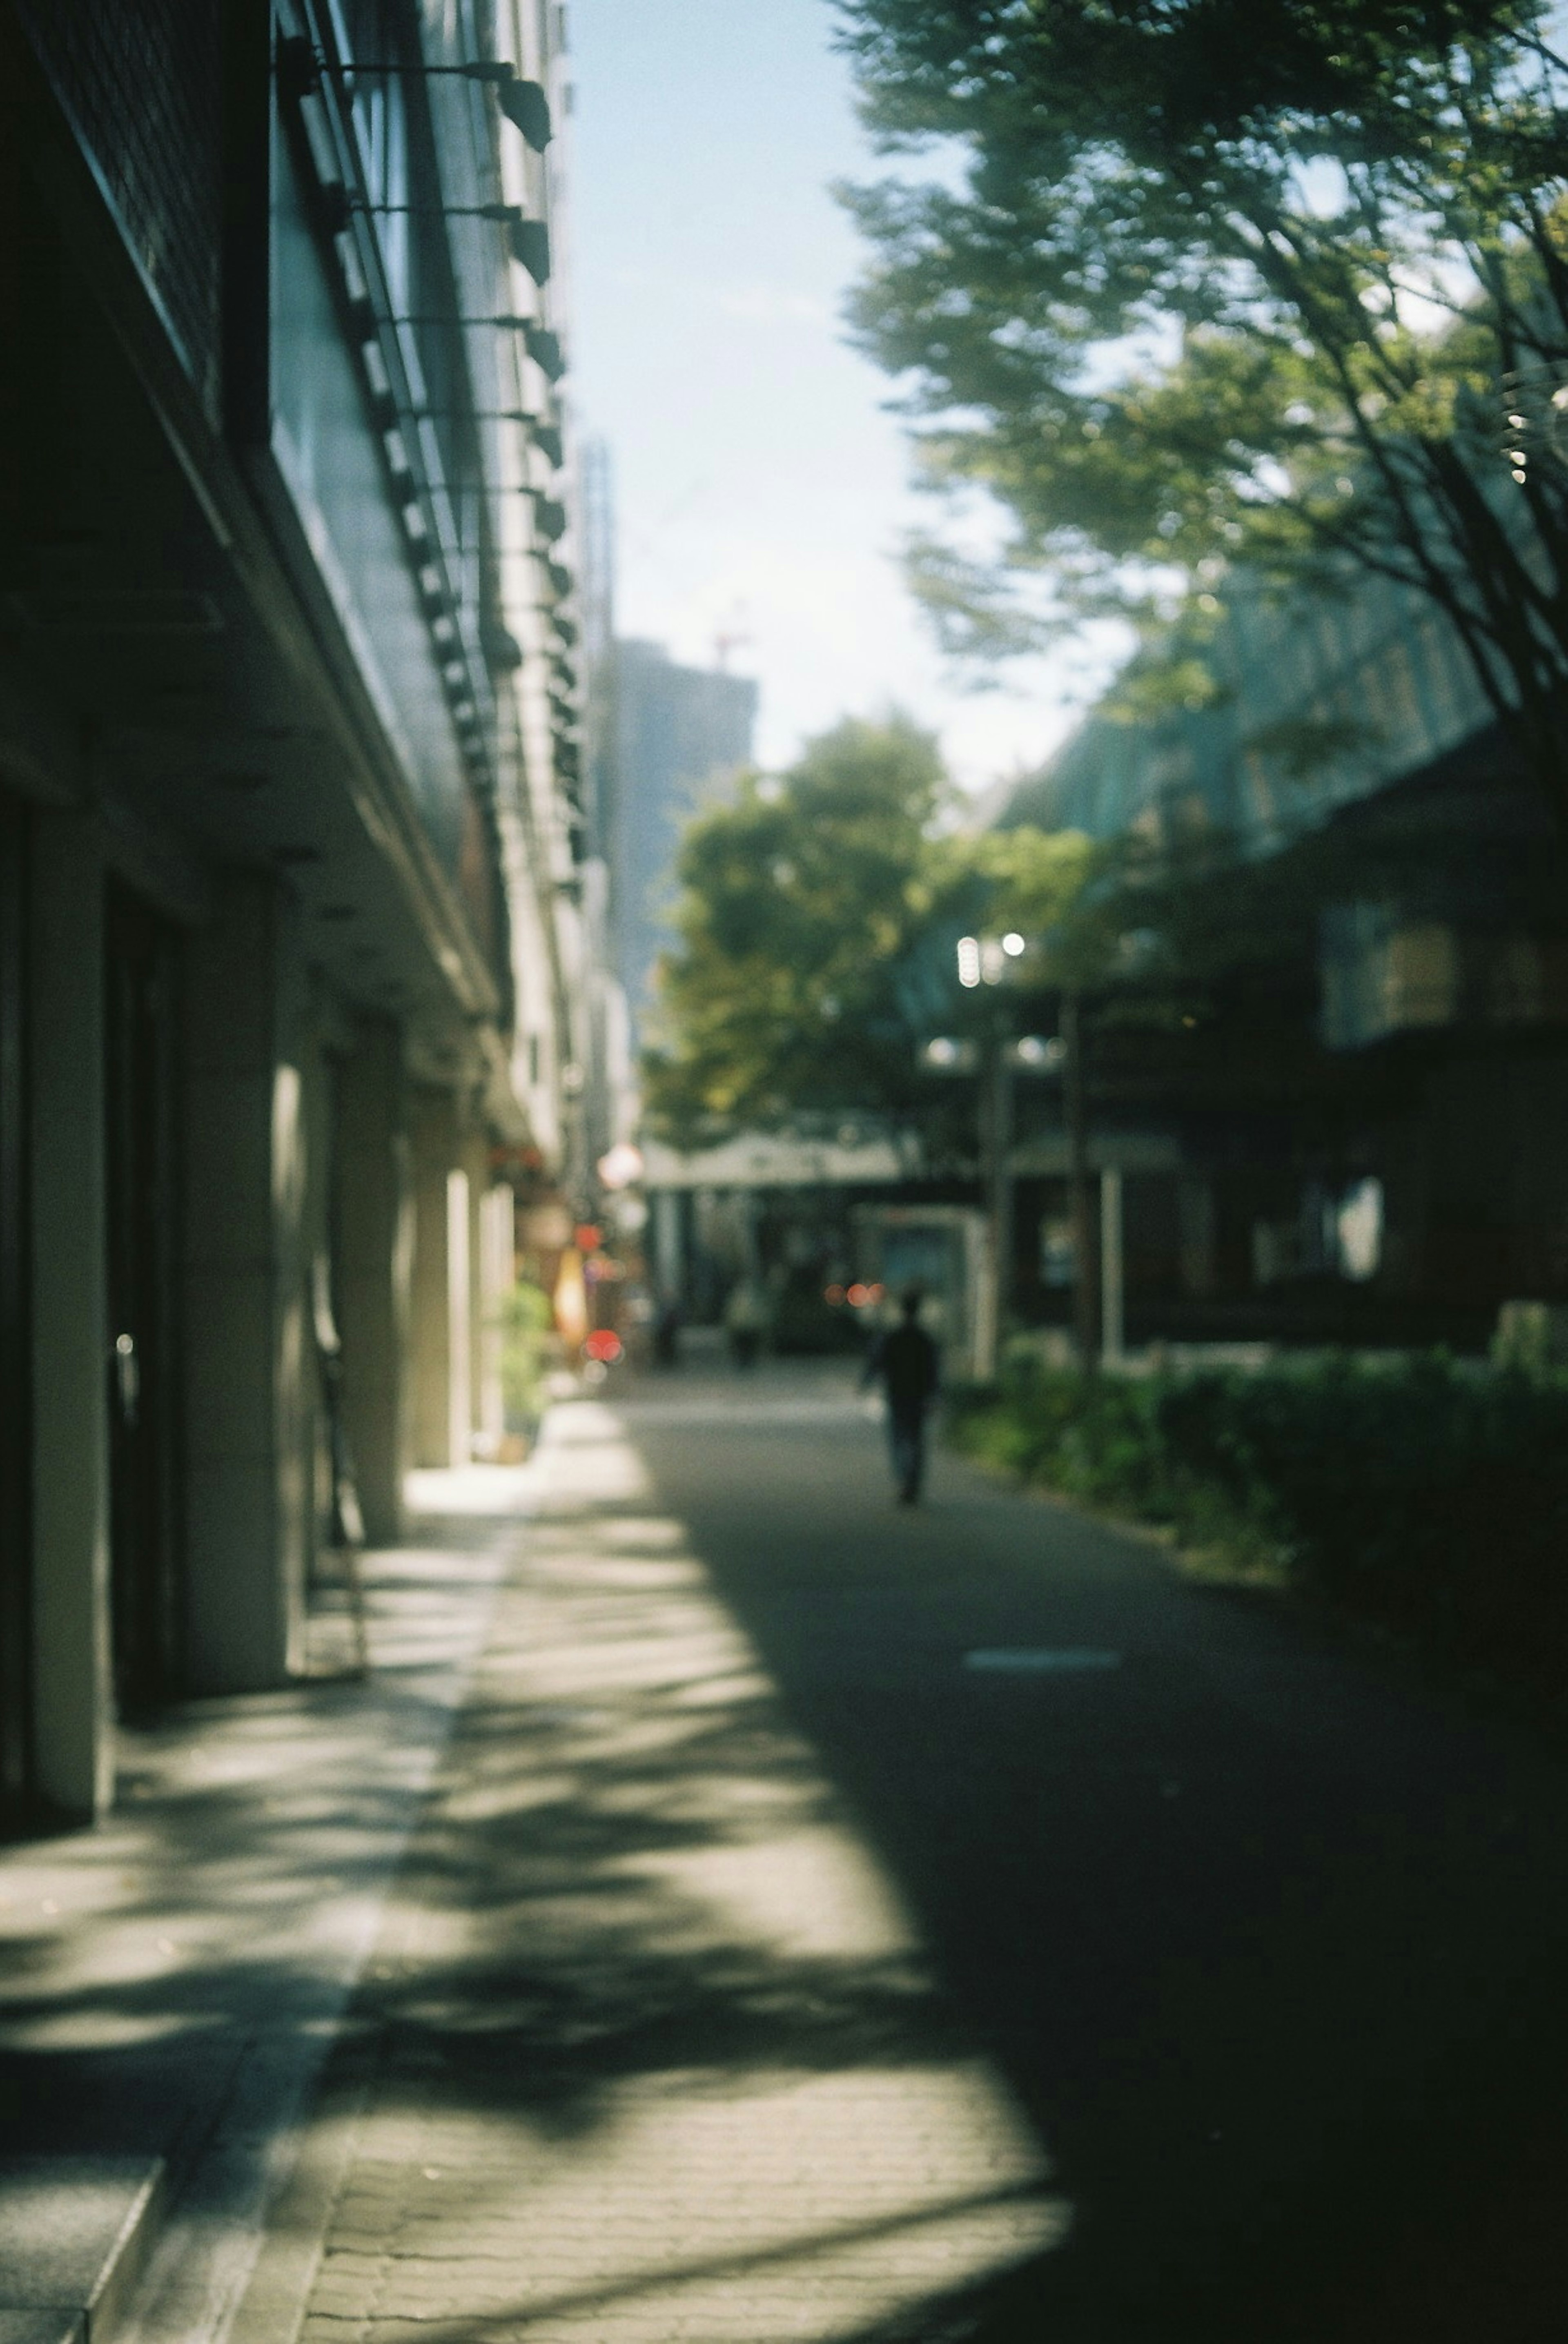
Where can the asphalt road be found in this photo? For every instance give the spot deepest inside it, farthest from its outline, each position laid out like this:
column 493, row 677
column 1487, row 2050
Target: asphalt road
column 1269, row 1940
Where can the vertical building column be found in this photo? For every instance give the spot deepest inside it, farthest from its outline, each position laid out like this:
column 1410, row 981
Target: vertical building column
column 459, row 1320
column 251, row 1389
column 317, row 1076
column 434, row 1135
column 73, row 1742
column 498, row 1274
column 480, row 1305
column 373, row 1214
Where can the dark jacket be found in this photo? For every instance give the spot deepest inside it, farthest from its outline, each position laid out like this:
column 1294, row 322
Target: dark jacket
column 904, row 1363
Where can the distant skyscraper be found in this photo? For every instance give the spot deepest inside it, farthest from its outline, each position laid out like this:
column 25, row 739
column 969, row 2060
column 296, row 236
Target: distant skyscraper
column 678, row 733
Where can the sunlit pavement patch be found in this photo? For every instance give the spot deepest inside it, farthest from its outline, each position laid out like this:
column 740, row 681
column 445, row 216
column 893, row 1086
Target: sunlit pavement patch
column 1028, row 1660
column 185, row 1964
column 667, row 2059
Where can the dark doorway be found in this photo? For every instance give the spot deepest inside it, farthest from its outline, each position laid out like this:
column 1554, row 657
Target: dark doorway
column 140, row 968
column 15, row 1426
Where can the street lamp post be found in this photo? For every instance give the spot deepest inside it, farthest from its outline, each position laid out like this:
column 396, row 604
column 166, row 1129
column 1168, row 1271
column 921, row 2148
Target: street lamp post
column 1081, row 1195
column 997, row 1158
column 985, row 961
column 996, row 1059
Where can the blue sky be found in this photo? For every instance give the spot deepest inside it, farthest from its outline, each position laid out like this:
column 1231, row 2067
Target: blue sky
column 761, row 487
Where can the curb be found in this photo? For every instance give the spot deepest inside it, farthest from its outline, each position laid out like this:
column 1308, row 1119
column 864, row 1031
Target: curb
column 75, row 2235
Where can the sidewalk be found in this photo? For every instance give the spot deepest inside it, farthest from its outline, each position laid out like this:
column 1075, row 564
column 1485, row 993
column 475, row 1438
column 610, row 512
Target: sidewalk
column 538, row 1988
column 554, row 1985
column 175, row 1977
column 647, row 2049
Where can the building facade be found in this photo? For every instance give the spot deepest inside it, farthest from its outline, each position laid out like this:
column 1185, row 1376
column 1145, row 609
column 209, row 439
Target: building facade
column 675, row 735
column 1357, row 1130
column 291, row 960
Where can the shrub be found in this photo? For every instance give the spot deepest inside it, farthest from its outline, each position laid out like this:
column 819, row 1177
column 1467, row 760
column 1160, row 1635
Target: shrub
column 1415, row 1489
column 526, row 1322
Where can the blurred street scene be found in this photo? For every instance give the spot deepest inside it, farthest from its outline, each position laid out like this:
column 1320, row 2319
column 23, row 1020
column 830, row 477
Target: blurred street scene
column 735, row 1907
column 784, row 1095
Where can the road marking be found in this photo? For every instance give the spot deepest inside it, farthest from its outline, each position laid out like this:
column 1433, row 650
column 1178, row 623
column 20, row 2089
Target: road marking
column 1023, row 1660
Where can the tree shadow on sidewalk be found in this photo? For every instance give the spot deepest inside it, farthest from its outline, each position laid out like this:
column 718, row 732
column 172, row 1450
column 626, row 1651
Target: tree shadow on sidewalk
column 1290, row 2022
column 1295, row 2047
column 637, row 1941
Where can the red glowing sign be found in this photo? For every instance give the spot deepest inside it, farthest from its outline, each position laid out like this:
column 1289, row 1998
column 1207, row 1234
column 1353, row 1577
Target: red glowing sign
column 604, row 1346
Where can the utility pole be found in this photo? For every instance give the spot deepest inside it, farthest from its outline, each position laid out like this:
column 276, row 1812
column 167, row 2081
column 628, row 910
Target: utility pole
column 985, row 961
column 1080, row 1193
column 997, row 1123
column 1112, row 1268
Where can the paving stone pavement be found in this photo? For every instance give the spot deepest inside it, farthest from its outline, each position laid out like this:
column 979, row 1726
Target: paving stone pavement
column 172, row 1978
column 647, row 2049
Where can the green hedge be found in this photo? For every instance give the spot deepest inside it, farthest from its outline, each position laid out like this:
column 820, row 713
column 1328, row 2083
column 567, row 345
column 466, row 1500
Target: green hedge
column 1420, row 1491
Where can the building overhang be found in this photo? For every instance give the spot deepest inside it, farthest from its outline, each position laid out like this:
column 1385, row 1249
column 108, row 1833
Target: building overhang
column 165, row 632
column 775, row 1160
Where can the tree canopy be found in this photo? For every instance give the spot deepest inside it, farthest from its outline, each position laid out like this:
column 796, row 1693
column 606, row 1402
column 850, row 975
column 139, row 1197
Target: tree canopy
column 818, row 921
column 1195, row 288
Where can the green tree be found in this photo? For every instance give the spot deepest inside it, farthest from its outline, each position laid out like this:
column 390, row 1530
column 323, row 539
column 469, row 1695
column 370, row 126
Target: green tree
column 818, row 921
column 801, row 903
column 1057, row 889
column 1211, row 286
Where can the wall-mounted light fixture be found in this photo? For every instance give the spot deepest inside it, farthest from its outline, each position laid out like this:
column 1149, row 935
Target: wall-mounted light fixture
column 544, row 347
column 524, row 103
column 530, row 246
column 548, row 515
column 528, row 239
column 502, row 649
column 546, row 436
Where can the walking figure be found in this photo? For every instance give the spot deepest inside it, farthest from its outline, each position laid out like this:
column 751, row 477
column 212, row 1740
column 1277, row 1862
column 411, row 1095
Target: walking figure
column 746, row 1321
column 667, row 1319
column 904, row 1361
